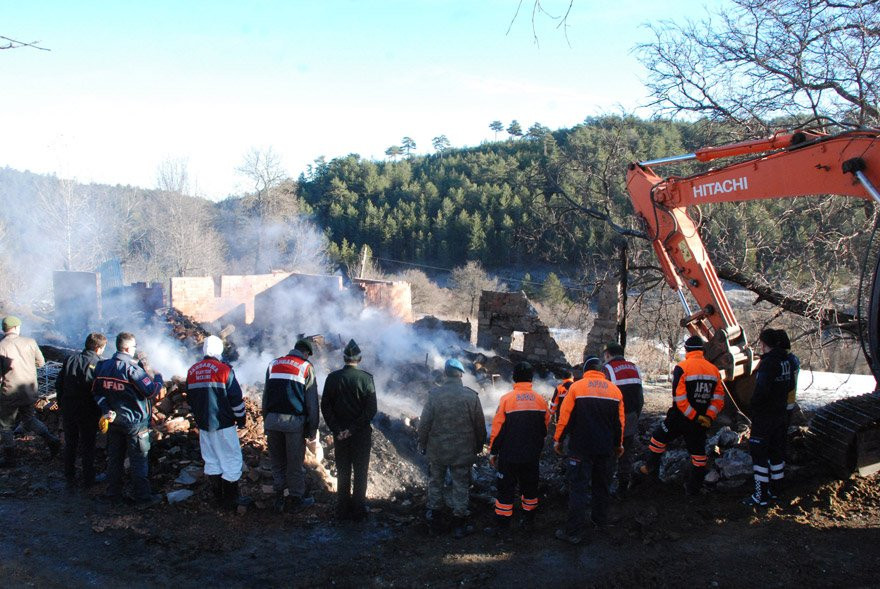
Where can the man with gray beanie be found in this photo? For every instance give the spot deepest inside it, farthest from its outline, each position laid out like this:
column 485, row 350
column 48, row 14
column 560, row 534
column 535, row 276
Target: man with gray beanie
column 19, row 359
column 215, row 397
column 349, row 405
column 452, row 431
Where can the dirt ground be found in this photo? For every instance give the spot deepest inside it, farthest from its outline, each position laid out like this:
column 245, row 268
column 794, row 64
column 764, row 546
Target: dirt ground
column 826, row 532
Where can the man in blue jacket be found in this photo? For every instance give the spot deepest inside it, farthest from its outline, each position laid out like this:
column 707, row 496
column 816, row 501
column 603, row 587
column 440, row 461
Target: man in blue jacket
column 123, row 391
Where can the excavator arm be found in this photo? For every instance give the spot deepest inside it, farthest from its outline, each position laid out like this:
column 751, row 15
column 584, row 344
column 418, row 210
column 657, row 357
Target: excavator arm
column 783, row 166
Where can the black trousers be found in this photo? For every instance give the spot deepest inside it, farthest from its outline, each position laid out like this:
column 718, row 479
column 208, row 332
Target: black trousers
column 352, row 454
column 509, row 475
column 80, row 426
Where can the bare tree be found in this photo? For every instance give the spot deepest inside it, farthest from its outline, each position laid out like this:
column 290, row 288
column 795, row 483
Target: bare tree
column 7, row 43
column 769, row 58
column 172, row 175
column 468, row 282
column 263, row 168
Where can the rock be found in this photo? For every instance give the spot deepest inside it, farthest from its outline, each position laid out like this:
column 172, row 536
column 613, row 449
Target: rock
column 179, row 495
column 185, row 478
column 734, row 462
column 267, row 489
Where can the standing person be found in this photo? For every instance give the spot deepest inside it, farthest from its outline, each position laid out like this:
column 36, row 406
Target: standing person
column 592, row 423
column 560, row 392
column 214, row 395
column 123, row 391
column 79, row 412
column 518, row 432
column 349, row 405
column 774, row 379
column 19, row 359
column 698, row 398
column 290, row 417
column 452, row 431
column 628, row 378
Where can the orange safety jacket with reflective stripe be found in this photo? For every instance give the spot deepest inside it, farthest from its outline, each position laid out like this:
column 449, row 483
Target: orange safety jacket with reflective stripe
column 520, row 425
column 592, row 416
column 696, row 387
column 559, row 395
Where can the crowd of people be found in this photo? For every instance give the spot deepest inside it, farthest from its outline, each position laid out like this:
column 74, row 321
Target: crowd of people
column 593, row 422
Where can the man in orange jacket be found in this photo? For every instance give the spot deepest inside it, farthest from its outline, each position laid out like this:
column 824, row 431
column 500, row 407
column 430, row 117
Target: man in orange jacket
column 591, row 420
column 560, row 392
column 518, row 432
column 698, row 398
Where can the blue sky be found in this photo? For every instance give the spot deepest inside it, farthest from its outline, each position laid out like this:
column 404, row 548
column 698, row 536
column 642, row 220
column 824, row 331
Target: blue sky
column 127, row 85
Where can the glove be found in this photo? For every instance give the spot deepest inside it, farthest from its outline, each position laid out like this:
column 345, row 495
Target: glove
column 493, row 460
column 557, row 447
column 619, row 451
column 704, row 421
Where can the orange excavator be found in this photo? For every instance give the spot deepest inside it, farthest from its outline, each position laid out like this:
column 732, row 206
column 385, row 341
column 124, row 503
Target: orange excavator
column 846, row 433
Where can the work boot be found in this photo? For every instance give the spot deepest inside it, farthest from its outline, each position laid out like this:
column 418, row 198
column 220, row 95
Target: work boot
column 528, row 522
column 279, row 502
column 500, row 526
column 570, row 538
column 231, row 498
column 216, row 484
column 148, row 502
column 462, row 528
column 54, row 446
column 296, row 504
column 8, row 457
column 694, row 484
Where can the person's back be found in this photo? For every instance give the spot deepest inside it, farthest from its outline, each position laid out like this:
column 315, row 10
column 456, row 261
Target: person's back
column 452, row 439
column 21, row 357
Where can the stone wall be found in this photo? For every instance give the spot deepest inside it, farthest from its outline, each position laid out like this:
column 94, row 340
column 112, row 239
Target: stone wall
column 502, row 313
column 197, row 296
column 395, row 297
column 604, row 328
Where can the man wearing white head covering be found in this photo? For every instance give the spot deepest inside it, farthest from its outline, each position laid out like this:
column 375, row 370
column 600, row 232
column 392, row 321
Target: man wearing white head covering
column 215, row 397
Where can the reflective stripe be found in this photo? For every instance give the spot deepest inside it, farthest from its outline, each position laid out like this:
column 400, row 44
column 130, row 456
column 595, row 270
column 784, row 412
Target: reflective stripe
column 711, row 411
column 536, row 410
column 203, row 385
column 503, row 509
column 779, row 466
column 628, row 381
column 777, row 476
column 238, row 407
column 284, row 376
column 690, row 411
column 678, row 398
column 761, row 469
column 656, row 446
column 529, row 504
column 762, row 478
column 711, row 377
column 698, row 460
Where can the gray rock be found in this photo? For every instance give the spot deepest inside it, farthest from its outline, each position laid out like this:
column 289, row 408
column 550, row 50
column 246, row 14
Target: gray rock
column 179, row 495
column 734, row 462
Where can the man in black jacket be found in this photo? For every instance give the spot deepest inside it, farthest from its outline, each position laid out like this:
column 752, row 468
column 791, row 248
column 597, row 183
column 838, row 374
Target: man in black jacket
column 349, row 405
column 79, row 412
column 774, row 379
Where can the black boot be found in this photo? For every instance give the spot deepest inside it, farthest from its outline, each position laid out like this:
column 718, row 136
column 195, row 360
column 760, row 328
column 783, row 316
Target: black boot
column 217, row 488
column 54, row 446
column 8, row 457
column 231, row 498
column 694, row 484
column 759, row 497
column 279, row 502
column 500, row 526
column 462, row 528
column 528, row 522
